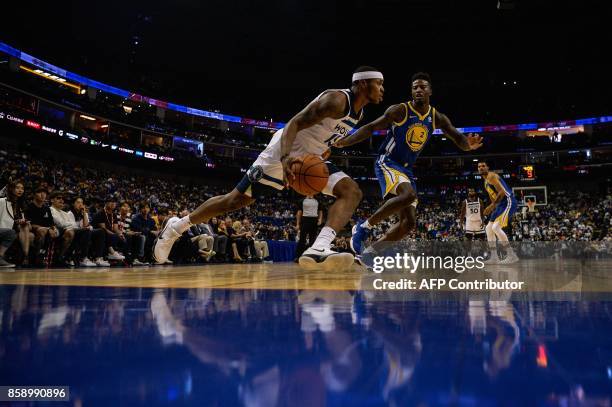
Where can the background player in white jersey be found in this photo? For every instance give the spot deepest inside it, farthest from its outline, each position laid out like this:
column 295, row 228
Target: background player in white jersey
column 471, row 214
column 327, row 119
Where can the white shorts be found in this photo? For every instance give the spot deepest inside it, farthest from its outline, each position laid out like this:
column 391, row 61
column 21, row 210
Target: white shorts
column 269, row 172
column 474, row 227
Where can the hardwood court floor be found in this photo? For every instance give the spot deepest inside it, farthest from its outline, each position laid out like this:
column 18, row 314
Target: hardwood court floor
column 538, row 275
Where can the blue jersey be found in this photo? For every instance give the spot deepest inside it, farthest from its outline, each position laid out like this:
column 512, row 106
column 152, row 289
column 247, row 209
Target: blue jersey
column 408, row 138
column 506, row 207
column 491, row 190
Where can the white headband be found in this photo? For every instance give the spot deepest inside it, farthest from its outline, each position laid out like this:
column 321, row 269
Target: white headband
column 359, row 76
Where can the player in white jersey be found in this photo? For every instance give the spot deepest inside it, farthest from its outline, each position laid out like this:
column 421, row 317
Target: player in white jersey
column 327, row 119
column 472, row 215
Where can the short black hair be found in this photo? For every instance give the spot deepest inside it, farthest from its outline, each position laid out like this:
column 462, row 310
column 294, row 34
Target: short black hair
column 365, row 68
column 421, row 75
column 56, row 194
column 485, row 161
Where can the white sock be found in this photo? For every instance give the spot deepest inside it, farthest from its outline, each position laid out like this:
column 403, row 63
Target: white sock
column 182, row 225
column 366, row 225
column 503, row 238
column 323, row 241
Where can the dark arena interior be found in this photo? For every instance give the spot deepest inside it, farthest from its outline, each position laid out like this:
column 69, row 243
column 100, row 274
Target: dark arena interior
column 154, row 250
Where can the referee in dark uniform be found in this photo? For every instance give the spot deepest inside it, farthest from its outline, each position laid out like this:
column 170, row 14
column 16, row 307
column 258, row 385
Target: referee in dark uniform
column 308, row 218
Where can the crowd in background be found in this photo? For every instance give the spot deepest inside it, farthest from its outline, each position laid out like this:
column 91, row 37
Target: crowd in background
column 92, row 217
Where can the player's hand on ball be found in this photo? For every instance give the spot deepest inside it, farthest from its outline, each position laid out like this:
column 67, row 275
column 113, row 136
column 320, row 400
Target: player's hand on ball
column 288, row 175
column 474, row 141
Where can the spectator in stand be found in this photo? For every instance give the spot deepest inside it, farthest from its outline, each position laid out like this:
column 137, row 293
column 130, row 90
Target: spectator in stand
column 96, row 248
column 340, row 244
column 15, row 209
column 144, row 224
column 70, row 231
column 135, row 239
column 41, row 221
column 244, row 241
column 107, row 221
column 221, row 238
column 233, row 239
column 260, row 246
column 200, row 236
column 7, row 232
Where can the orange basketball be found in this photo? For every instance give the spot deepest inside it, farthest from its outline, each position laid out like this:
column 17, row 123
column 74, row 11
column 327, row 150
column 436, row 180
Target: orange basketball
column 311, row 175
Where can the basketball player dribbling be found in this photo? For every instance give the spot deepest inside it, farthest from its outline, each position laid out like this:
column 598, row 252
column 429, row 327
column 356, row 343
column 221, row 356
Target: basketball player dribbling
column 412, row 125
column 330, row 117
column 471, row 214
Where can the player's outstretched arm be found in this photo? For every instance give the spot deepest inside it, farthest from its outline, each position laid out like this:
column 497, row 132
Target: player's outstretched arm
column 394, row 113
column 332, row 104
column 466, row 143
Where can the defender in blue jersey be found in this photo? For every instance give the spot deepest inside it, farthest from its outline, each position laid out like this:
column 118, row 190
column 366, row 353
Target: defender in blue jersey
column 503, row 205
column 412, row 125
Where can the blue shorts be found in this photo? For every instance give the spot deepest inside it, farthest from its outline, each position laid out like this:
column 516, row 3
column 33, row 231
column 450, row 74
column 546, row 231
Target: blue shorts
column 390, row 174
column 504, row 211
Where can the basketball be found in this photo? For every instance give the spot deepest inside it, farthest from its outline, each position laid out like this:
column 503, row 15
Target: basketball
column 311, row 175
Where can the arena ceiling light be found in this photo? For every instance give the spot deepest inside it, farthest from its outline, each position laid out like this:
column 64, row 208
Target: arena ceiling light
column 54, row 78
column 83, row 116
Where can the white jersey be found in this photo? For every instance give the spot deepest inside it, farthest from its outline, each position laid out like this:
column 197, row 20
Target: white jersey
column 310, row 208
column 318, row 138
column 473, row 219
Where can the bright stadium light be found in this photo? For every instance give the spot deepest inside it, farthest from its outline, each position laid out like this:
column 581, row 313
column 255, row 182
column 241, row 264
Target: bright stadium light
column 51, row 77
column 87, row 117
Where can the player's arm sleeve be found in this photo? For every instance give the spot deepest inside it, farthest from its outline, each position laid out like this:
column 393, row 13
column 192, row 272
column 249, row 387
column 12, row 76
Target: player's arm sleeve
column 394, row 114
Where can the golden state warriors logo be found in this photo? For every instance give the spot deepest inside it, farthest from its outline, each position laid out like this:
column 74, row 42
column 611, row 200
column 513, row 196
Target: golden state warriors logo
column 416, row 136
